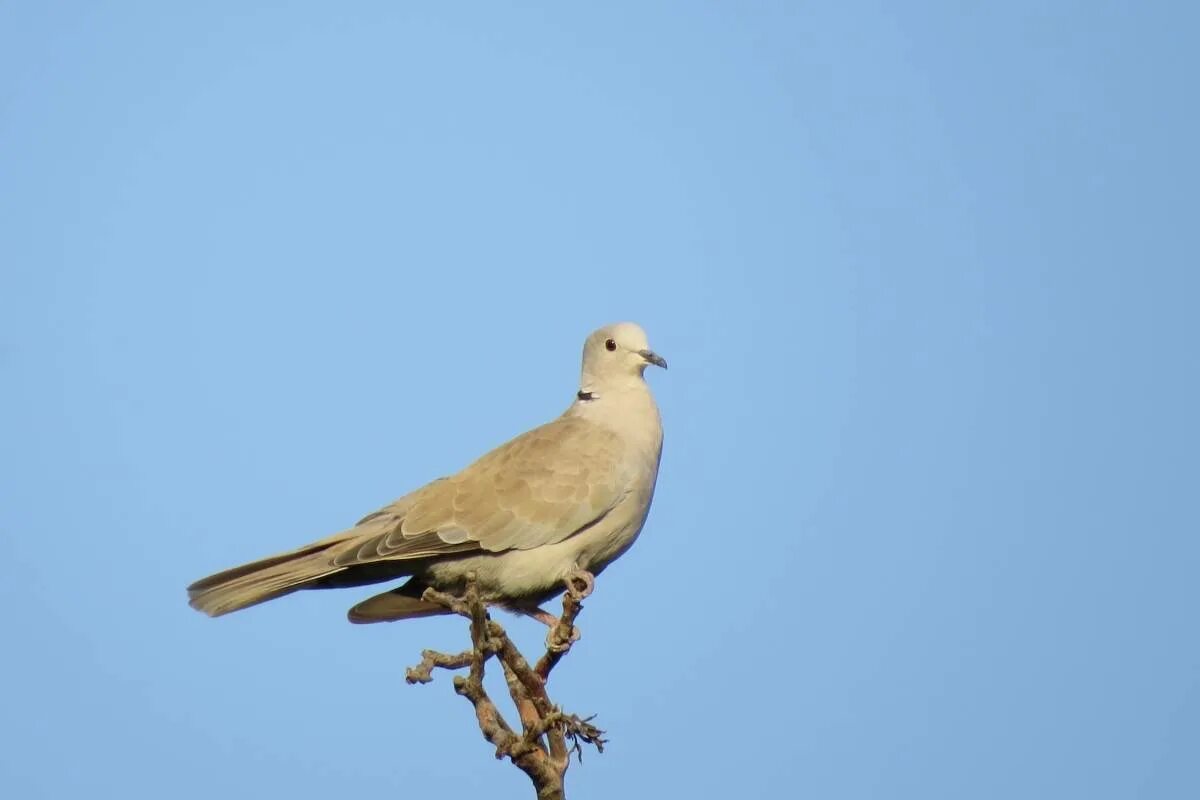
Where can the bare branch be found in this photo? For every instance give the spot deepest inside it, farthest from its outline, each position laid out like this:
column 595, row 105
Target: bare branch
column 541, row 749
column 431, row 659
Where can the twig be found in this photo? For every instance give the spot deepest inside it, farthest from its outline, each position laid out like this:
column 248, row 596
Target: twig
column 423, row 672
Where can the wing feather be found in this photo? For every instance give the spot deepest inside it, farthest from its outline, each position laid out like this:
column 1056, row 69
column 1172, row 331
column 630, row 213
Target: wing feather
column 536, row 489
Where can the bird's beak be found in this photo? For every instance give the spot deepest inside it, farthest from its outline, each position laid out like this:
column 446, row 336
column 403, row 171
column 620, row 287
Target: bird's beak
column 653, row 358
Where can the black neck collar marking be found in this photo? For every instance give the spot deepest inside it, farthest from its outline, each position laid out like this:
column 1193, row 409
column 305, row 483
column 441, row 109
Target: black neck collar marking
column 585, row 396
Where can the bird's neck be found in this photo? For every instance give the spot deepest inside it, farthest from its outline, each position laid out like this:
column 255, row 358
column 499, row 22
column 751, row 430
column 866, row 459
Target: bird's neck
column 624, row 388
column 627, row 407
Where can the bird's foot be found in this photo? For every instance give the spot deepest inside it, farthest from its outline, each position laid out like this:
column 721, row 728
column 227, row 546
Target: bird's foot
column 560, row 639
column 580, row 584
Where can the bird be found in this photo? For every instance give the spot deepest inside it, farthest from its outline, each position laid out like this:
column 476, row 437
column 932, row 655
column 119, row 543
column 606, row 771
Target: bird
column 565, row 498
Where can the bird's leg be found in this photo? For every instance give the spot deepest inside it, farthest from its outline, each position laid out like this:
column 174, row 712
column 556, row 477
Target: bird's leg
column 543, row 616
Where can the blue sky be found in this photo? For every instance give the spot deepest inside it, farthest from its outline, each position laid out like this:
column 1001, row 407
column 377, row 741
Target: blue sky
column 926, row 525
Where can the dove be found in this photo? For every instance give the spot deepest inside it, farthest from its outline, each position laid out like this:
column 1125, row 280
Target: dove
column 571, row 495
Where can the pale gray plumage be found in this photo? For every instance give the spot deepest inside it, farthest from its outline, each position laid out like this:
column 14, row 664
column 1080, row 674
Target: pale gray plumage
column 570, row 494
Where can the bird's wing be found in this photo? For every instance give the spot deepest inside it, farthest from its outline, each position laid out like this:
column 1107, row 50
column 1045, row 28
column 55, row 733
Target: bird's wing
column 535, row 490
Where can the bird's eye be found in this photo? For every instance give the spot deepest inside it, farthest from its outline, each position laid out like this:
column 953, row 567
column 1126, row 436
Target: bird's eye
column 610, row 345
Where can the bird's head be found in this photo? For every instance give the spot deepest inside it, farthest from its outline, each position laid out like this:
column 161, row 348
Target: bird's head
column 616, row 355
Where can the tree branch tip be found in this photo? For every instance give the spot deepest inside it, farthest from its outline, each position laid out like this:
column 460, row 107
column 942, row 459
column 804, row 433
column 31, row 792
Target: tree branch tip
column 542, row 745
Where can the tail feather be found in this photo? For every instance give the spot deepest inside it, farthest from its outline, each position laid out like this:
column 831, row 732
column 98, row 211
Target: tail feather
column 395, row 605
column 260, row 581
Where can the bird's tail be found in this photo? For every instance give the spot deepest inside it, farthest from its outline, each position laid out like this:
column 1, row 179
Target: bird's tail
column 401, row 603
column 262, row 580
